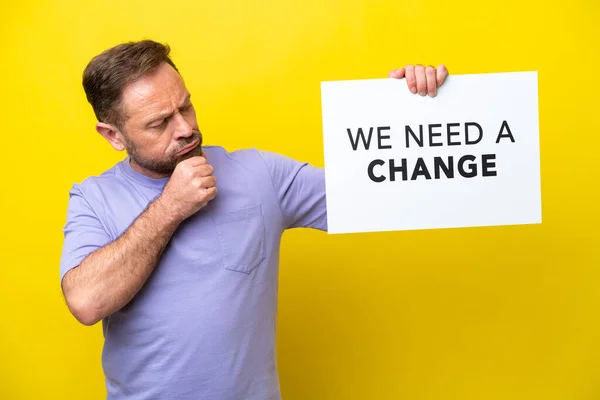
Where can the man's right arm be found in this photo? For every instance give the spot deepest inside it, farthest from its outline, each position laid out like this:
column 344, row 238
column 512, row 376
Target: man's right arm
column 108, row 278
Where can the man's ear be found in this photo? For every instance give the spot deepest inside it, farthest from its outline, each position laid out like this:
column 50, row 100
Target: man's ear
column 112, row 135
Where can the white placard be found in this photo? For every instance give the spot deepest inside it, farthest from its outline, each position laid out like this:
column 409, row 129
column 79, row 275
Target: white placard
column 398, row 161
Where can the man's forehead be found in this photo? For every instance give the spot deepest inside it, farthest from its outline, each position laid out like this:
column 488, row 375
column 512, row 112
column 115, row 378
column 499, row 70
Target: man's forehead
column 154, row 92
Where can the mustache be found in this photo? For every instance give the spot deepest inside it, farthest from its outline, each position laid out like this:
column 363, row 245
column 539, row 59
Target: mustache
column 186, row 141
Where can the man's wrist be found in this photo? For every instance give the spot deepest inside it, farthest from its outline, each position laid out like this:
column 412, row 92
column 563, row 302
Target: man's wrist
column 162, row 208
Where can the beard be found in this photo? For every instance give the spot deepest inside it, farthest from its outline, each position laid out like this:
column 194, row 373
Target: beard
column 167, row 164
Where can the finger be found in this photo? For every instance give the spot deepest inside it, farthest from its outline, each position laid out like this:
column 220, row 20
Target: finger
column 431, row 81
column 205, row 170
column 397, row 73
column 409, row 73
column 211, row 193
column 195, row 161
column 421, row 80
column 441, row 74
column 204, row 182
column 208, row 182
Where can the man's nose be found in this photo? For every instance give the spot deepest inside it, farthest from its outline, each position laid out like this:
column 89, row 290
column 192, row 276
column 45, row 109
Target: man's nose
column 182, row 127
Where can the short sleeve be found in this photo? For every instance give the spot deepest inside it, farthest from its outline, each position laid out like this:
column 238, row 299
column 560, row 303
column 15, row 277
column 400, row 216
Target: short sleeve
column 300, row 191
column 83, row 232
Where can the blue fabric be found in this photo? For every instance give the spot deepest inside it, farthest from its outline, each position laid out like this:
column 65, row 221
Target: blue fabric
column 203, row 325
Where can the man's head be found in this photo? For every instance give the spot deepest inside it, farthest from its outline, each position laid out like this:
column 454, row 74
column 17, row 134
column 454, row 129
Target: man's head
column 143, row 106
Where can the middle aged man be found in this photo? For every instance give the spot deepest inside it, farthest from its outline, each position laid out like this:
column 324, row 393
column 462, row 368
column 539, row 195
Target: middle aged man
column 184, row 279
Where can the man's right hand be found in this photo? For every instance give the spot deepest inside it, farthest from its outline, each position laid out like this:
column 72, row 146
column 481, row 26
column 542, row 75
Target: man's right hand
column 190, row 188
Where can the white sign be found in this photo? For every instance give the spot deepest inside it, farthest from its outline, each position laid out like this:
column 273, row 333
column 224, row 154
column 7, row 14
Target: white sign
column 398, row 161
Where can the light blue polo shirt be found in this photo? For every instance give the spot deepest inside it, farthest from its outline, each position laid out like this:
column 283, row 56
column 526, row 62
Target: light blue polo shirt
column 203, row 325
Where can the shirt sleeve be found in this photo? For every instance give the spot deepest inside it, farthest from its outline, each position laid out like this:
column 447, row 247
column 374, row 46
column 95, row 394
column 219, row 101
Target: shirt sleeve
column 83, row 232
column 300, row 191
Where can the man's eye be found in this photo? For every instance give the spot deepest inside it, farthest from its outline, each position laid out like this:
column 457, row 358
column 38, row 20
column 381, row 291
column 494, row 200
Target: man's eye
column 158, row 124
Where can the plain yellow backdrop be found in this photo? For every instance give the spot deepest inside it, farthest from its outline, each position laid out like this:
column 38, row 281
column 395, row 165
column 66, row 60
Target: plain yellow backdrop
column 485, row 313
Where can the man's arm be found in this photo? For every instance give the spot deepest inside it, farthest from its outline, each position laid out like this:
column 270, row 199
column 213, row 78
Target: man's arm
column 108, row 278
column 300, row 191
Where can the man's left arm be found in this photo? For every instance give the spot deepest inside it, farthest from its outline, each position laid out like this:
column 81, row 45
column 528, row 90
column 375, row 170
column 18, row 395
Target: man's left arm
column 300, row 191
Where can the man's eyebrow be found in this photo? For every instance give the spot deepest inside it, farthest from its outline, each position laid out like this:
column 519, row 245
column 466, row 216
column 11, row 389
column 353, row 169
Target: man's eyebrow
column 168, row 114
column 187, row 100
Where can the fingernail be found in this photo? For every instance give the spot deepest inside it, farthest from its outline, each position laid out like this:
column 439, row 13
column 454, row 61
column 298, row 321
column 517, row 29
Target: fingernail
column 422, row 93
column 413, row 89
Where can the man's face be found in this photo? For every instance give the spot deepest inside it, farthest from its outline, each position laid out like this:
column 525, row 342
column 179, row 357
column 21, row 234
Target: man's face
column 160, row 128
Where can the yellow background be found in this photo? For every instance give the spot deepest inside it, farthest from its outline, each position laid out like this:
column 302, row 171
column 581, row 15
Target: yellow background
column 484, row 313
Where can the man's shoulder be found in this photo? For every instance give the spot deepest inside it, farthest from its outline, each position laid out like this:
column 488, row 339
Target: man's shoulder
column 249, row 157
column 219, row 153
column 246, row 158
column 107, row 178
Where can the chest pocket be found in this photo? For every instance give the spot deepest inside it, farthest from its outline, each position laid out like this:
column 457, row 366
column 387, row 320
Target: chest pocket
column 242, row 238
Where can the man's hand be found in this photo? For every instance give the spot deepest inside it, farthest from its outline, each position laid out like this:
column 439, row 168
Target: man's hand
column 420, row 79
column 191, row 187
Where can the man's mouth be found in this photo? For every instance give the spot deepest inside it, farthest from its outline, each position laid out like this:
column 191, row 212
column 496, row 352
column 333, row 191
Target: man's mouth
column 189, row 147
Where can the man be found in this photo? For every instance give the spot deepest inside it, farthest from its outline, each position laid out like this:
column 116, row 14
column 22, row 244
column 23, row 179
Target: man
column 175, row 249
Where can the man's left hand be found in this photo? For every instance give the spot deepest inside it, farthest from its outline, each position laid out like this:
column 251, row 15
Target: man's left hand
column 420, row 79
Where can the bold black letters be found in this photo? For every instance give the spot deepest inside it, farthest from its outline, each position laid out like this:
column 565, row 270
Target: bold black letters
column 432, row 134
column 486, row 165
column 380, row 137
column 508, row 135
column 360, row 134
column 467, row 125
column 370, row 171
column 438, row 163
column 419, row 139
column 452, row 133
column 473, row 166
column 394, row 169
column 420, row 169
